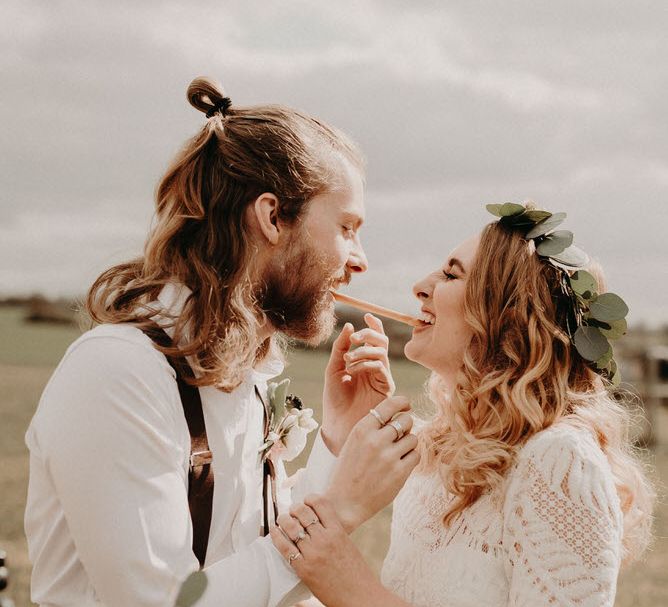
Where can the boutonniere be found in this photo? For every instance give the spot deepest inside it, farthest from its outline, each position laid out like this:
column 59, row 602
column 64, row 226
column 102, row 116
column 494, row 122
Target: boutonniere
column 289, row 424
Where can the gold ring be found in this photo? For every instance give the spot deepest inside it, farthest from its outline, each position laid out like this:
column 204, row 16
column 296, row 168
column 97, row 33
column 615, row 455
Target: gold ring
column 293, row 556
column 375, row 413
column 398, row 428
column 311, row 523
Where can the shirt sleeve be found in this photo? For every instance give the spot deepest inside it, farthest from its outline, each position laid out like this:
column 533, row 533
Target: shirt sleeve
column 109, row 434
column 562, row 524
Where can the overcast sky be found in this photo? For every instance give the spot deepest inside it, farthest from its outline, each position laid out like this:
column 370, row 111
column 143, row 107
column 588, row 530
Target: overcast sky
column 455, row 104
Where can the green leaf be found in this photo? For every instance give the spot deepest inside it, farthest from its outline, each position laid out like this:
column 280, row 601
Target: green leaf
column 603, row 362
column 572, row 257
column 507, row 209
column 590, row 343
column 536, row 215
column 192, row 589
column 583, row 283
column 526, row 219
column 608, row 307
column 547, row 225
column 616, row 330
column 280, row 394
column 555, row 243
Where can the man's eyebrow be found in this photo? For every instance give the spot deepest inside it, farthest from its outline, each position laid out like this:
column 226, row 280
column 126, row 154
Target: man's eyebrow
column 453, row 261
column 354, row 217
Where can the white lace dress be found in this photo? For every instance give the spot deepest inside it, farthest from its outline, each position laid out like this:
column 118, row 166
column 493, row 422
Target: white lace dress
column 550, row 536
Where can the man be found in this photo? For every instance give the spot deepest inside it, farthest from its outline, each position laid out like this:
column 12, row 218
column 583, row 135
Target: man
column 257, row 219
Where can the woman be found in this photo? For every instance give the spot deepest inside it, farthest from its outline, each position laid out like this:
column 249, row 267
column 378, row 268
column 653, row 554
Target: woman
column 527, row 492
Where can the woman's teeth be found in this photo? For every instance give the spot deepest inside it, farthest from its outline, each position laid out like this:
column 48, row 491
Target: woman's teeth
column 427, row 318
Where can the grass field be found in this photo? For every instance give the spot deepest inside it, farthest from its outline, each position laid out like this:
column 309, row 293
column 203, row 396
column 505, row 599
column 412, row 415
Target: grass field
column 28, row 355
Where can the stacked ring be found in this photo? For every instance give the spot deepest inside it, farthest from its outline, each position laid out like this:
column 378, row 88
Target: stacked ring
column 300, row 536
column 293, row 556
column 396, row 424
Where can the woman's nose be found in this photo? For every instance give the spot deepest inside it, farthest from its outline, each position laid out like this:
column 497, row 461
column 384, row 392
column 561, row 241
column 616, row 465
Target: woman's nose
column 421, row 289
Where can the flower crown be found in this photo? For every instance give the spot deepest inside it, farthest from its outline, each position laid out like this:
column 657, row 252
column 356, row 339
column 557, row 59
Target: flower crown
column 595, row 318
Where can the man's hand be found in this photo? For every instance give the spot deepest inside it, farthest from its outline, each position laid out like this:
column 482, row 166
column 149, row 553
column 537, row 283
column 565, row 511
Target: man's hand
column 355, row 380
column 374, row 464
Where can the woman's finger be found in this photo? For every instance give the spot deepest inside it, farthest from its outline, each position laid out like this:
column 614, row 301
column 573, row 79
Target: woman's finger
column 370, row 337
column 340, row 346
column 306, row 516
column 406, row 444
column 375, row 366
column 374, row 322
column 291, row 526
column 366, row 353
column 287, row 549
column 404, row 420
column 324, row 510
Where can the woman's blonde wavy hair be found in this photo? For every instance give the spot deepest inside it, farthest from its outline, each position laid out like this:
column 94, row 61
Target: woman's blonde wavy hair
column 200, row 238
column 519, row 376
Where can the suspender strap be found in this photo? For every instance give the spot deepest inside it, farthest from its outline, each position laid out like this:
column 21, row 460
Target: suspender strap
column 268, row 475
column 200, row 475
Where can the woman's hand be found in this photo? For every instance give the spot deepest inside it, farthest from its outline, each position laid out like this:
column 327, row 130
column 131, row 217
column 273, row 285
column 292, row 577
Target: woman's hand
column 327, row 561
column 374, row 463
column 355, row 380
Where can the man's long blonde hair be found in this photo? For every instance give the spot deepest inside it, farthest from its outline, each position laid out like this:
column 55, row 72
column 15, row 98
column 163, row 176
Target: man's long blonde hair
column 200, row 238
column 520, row 375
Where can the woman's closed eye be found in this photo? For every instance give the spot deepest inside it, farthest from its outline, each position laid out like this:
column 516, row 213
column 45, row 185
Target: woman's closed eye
column 449, row 275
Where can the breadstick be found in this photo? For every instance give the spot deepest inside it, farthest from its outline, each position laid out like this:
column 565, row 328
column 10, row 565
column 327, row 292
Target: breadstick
column 374, row 309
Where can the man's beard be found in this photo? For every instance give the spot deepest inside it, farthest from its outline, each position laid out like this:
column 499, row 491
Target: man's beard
column 295, row 294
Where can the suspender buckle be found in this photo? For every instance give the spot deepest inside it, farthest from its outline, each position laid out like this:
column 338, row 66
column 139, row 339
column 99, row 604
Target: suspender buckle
column 200, row 458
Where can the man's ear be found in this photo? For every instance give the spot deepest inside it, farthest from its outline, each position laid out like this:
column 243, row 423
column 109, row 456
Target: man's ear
column 265, row 209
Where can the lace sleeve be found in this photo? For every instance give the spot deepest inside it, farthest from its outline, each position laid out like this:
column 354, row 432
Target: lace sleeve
column 562, row 523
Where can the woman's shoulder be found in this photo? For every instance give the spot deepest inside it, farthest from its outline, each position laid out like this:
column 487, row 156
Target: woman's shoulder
column 561, row 442
column 566, row 462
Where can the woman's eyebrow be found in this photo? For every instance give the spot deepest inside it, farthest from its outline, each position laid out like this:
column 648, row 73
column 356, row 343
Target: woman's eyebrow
column 453, row 261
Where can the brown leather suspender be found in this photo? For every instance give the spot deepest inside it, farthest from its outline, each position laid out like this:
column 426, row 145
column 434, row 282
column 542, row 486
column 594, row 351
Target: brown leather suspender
column 200, row 474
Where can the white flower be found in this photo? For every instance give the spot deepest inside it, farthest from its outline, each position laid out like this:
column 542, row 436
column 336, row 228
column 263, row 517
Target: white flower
column 306, row 421
column 294, row 441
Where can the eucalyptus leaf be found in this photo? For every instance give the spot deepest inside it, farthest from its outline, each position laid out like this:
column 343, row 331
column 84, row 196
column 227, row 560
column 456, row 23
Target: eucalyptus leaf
column 612, row 367
column 547, row 225
column 526, row 219
column 537, row 215
column 507, row 209
column 583, row 283
column 555, row 243
column 603, row 362
column 280, row 394
column 192, row 589
column 608, row 307
column 616, row 378
column 616, row 330
column 572, row 257
column 494, row 209
column 590, row 343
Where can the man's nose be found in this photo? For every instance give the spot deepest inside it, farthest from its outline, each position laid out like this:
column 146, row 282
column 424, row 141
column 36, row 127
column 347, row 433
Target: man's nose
column 357, row 262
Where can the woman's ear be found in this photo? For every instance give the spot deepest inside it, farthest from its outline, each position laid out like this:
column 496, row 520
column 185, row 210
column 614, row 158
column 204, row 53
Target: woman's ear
column 265, row 210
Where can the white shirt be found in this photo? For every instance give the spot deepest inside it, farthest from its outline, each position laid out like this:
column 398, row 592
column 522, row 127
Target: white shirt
column 550, row 535
column 107, row 516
